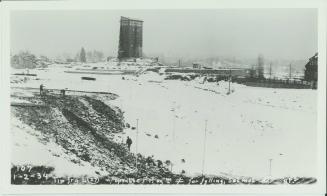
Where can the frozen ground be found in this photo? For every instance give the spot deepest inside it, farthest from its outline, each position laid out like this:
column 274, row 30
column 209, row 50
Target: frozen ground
column 244, row 129
column 27, row 149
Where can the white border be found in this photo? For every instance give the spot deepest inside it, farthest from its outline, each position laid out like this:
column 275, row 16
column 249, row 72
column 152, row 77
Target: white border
column 6, row 7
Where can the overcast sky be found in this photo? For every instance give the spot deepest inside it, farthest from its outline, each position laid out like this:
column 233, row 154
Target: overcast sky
column 243, row 33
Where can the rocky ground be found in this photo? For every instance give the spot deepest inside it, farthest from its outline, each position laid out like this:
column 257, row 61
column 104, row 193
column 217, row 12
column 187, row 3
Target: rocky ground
column 84, row 127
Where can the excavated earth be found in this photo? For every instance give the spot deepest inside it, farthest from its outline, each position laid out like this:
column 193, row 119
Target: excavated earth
column 85, row 126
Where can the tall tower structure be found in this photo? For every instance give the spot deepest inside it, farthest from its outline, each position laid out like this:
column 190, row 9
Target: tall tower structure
column 130, row 38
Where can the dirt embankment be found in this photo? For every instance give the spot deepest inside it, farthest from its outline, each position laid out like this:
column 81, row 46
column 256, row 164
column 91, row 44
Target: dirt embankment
column 85, row 126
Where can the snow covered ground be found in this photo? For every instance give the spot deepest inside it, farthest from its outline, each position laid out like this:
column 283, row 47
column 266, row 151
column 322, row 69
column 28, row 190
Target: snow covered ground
column 28, row 150
column 244, row 129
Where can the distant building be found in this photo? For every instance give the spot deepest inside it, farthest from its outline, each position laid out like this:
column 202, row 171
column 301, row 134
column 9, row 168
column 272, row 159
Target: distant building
column 222, row 72
column 196, row 66
column 130, row 38
column 311, row 70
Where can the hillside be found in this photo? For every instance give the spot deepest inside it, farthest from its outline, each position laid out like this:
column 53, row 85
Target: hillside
column 80, row 128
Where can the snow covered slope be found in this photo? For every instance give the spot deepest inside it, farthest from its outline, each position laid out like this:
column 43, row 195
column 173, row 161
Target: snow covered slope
column 244, row 129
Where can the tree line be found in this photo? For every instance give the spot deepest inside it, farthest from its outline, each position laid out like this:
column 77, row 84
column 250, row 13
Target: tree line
column 28, row 60
column 89, row 56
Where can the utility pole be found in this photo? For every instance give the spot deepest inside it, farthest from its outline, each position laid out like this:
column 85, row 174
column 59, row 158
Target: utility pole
column 174, row 123
column 204, row 146
column 270, row 71
column 230, row 78
column 179, row 63
column 174, row 157
column 261, row 66
column 290, row 74
column 136, row 143
column 270, row 160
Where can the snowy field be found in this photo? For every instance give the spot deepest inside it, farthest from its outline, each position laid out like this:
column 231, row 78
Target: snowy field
column 244, row 129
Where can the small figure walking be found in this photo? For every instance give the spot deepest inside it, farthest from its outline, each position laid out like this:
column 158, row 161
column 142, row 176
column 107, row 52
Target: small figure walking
column 129, row 143
column 41, row 89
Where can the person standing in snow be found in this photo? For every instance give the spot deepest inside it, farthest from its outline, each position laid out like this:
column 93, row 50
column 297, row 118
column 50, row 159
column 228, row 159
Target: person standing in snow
column 62, row 91
column 41, row 89
column 129, row 143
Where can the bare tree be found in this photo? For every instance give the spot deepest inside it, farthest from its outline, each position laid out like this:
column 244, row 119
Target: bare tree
column 23, row 60
column 77, row 56
column 98, row 55
column 82, row 55
column 89, row 56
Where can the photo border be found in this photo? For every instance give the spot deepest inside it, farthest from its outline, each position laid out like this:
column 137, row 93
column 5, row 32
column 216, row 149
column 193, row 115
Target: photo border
column 7, row 7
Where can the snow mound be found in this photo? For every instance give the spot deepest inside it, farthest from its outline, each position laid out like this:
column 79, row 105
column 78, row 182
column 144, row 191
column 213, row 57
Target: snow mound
column 151, row 76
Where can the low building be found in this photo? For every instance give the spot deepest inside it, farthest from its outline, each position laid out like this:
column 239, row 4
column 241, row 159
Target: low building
column 311, row 70
column 196, row 66
column 227, row 72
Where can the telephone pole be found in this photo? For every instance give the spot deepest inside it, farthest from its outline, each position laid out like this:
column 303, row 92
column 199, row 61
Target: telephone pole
column 230, row 78
column 270, row 160
column 290, row 74
column 136, row 143
column 174, row 157
column 174, row 125
column 204, row 146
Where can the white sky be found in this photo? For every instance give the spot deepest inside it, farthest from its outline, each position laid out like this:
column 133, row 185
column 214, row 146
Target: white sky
column 243, row 33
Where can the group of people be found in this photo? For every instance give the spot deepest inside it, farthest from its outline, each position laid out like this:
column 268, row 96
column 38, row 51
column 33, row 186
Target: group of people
column 42, row 91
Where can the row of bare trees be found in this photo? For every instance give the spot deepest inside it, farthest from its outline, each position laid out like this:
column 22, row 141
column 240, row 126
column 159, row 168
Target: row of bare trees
column 27, row 60
column 89, row 56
